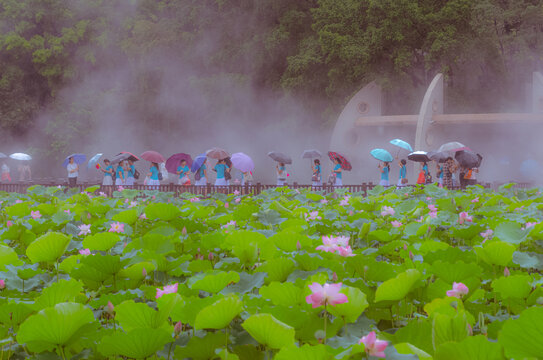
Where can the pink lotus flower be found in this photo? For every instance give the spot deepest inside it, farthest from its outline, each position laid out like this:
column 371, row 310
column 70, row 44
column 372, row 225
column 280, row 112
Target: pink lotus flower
column 18, row 201
column 331, row 244
column 432, row 207
column 345, row 201
column 324, row 201
column 396, row 224
column 101, row 193
column 109, row 308
column 325, row 295
column 35, row 214
column 428, row 198
column 226, row 205
column 237, row 200
column 168, row 289
column 419, row 220
column 341, row 240
column 458, row 290
column 387, row 210
column 487, row 234
column 178, row 328
column 9, row 223
column 530, row 224
column 476, row 200
column 184, row 231
column 84, row 229
column 229, row 224
column 433, row 214
column 506, row 272
column 85, row 252
column 463, row 217
column 116, row 227
column 314, row 215
column 345, row 251
column 132, row 204
column 67, row 211
column 373, row 346
column 2, row 284
column 194, row 199
column 143, row 216
column 120, row 188
column 236, row 192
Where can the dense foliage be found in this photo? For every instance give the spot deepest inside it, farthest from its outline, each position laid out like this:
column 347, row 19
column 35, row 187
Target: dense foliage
column 436, row 274
column 72, row 61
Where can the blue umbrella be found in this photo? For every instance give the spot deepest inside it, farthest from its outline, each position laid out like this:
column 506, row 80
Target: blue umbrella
column 403, row 144
column 78, row 159
column 381, row 155
column 198, row 162
column 94, row 160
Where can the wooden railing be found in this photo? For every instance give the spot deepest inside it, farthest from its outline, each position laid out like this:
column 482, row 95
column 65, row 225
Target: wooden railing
column 211, row 189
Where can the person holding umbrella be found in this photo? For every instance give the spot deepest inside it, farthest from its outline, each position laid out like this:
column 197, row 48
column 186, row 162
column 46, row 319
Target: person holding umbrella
column 108, row 173
column 317, row 173
column 439, row 173
column 73, row 172
column 402, row 180
column 281, row 174
column 119, row 174
column 130, row 171
column 202, row 172
column 153, row 182
column 448, row 170
column 385, row 170
column 220, row 168
column 337, row 171
column 183, row 171
column 5, row 172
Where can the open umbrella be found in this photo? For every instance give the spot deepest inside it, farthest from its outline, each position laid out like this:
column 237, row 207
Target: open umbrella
column 242, row 162
column 467, row 158
column 153, row 156
column 173, row 162
column 345, row 164
column 94, row 160
column 280, row 157
column 20, row 156
column 311, row 154
column 418, row 156
column 402, row 144
column 381, row 155
column 3, row 156
column 453, row 147
column 217, row 153
column 119, row 157
column 438, row 156
column 198, row 162
column 129, row 156
column 78, row 159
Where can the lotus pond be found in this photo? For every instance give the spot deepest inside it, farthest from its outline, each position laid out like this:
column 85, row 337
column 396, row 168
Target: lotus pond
column 418, row 273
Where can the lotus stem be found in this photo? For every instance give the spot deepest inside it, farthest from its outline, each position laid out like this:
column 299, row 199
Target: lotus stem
column 325, row 321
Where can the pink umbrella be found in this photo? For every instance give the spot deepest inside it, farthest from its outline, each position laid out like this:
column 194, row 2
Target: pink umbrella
column 242, row 162
column 173, row 162
column 153, row 156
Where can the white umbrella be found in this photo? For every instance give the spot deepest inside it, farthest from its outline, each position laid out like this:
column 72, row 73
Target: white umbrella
column 20, row 156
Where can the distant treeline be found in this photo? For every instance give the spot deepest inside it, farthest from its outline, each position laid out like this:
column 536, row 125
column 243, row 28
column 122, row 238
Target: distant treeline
column 315, row 52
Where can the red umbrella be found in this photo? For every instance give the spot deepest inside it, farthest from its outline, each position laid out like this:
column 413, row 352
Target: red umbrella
column 173, row 162
column 130, row 156
column 153, row 156
column 345, row 164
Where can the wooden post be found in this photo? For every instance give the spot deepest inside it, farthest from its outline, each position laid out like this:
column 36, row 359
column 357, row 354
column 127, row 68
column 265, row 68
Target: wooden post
column 258, row 188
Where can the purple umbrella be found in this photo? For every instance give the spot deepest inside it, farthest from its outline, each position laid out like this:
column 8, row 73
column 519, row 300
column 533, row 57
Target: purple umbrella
column 153, row 156
column 242, row 162
column 173, row 162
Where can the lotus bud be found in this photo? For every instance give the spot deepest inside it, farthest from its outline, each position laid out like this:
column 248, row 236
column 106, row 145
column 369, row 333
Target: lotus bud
column 144, row 272
column 366, row 269
column 405, row 246
column 506, row 272
column 184, row 231
column 109, row 308
column 320, row 335
column 9, row 223
column 178, row 328
column 298, row 245
column 470, row 330
column 411, row 256
column 2, row 284
column 210, row 256
column 226, row 205
column 334, row 277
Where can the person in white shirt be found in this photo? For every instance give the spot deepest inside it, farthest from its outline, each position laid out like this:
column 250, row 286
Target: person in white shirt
column 5, row 173
column 73, row 172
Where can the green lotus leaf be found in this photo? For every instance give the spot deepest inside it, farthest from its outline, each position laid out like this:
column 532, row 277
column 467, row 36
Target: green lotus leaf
column 127, row 216
column 12, row 314
column 137, row 343
column 132, row 315
column 449, row 254
column 288, row 240
column 306, row 352
column 247, row 283
column 455, row 272
column 513, row 287
column 446, row 328
column 8, row 256
column 155, row 243
column 278, row 269
column 510, row 232
column 161, row 211
column 496, row 253
column 135, row 271
column 201, row 348
column 528, row 260
column 213, row 282
column 193, row 305
column 48, row 248
column 17, row 210
column 219, row 314
column 285, row 294
column 101, row 242
column 63, row 291
column 269, row 331
column 521, row 338
column 55, row 326
column 353, row 308
column 398, row 287
column 417, row 333
column 471, row 348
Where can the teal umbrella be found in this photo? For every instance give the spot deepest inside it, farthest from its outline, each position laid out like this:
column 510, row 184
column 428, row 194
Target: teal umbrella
column 381, row 155
column 94, row 160
column 402, row 144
